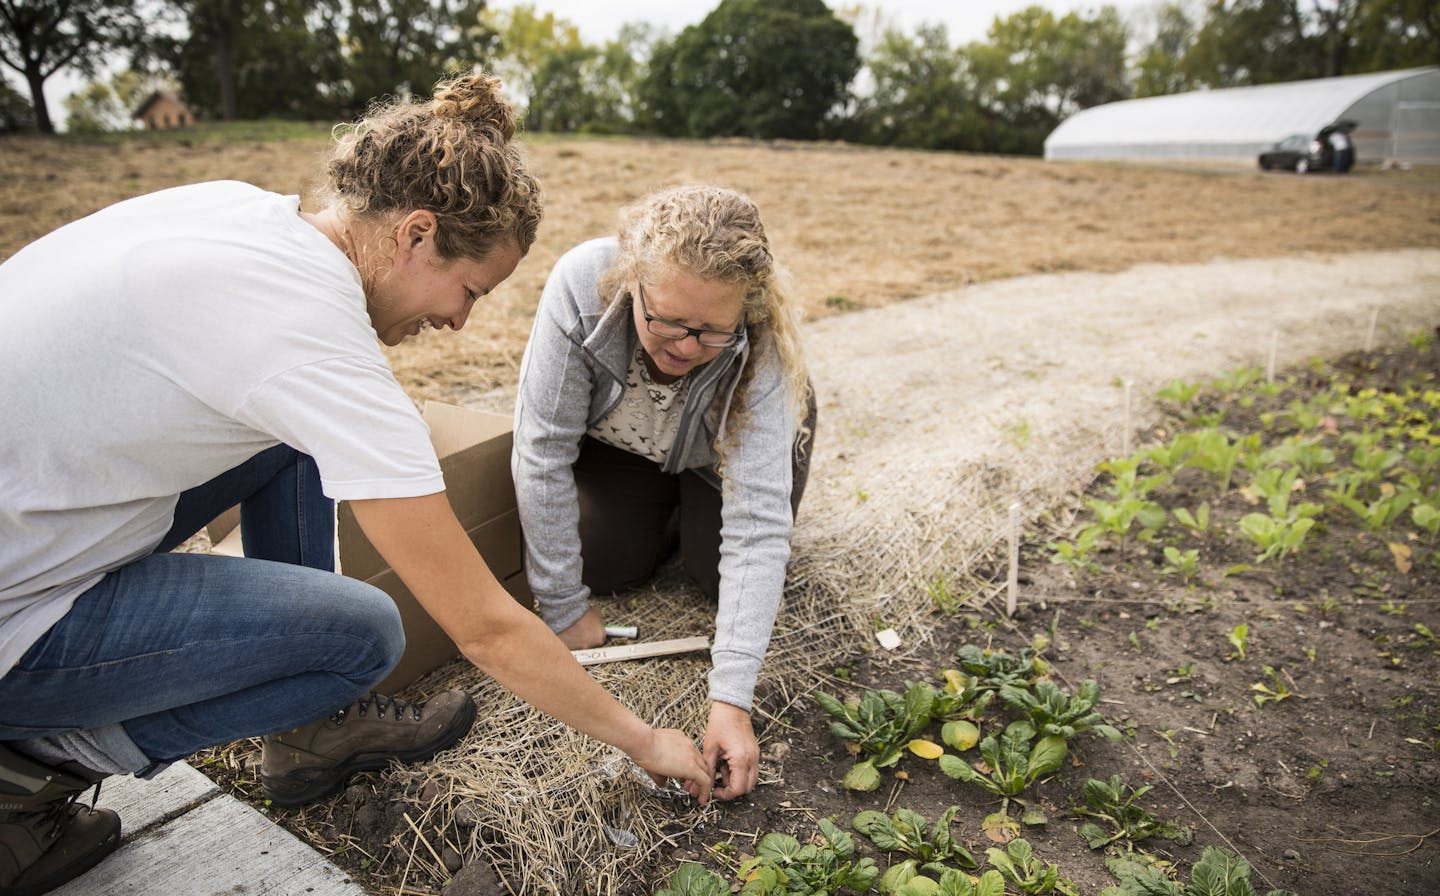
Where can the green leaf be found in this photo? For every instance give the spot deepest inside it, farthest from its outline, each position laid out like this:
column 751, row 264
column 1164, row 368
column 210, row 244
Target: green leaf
column 863, row 777
column 694, row 879
column 991, row 883
column 1047, row 756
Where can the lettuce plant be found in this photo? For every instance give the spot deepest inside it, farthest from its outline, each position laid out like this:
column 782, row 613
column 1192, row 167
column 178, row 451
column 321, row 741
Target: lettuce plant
column 1116, row 804
column 1219, row 872
column 1012, row 763
column 879, row 725
column 926, row 848
column 784, row 867
column 1050, row 711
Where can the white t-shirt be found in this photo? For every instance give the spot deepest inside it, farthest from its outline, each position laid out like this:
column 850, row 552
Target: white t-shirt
column 155, row 344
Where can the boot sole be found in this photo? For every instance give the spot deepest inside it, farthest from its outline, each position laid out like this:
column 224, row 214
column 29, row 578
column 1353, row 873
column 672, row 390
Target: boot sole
column 300, row 788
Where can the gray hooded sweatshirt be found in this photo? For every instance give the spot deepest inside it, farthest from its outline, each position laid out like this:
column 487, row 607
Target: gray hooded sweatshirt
column 572, row 375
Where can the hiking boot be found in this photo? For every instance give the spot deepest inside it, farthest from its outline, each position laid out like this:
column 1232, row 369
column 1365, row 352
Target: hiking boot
column 302, row 765
column 46, row 837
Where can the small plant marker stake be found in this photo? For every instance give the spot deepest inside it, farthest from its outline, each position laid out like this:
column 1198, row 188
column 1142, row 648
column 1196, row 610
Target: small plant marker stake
column 1125, row 434
column 1270, row 368
column 1012, row 594
column 1370, row 334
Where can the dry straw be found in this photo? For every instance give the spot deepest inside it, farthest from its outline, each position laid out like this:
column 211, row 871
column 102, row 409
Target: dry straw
column 558, row 813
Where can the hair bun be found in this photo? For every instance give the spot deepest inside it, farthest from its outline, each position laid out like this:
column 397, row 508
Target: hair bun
column 475, row 99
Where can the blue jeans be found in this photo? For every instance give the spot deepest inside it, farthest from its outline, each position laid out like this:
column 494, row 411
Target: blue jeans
column 188, row 651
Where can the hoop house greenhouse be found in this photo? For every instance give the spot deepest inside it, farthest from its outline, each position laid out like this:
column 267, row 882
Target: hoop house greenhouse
column 1396, row 118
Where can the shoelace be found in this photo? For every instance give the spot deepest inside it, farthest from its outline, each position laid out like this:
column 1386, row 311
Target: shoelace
column 55, row 816
column 382, row 705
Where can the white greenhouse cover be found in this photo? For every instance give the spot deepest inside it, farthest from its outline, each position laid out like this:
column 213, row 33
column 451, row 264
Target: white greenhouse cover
column 1232, row 121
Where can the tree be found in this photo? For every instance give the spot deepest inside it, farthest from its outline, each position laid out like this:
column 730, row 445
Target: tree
column 1157, row 69
column 257, row 58
column 1035, row 69
column 1394, row 34
column 40, row 37
column 1250, row 42
column 16, row 113
column 921, row 96
column 102, row 106
column 402, row 47
column 755, row 68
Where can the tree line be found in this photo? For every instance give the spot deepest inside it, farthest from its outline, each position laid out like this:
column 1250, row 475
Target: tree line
column 770, row 69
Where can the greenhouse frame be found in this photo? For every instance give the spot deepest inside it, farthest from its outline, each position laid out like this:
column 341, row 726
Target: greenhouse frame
column 1396, row 116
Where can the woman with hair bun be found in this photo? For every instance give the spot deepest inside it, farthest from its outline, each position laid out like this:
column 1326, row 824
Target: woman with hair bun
column 215, row 345
column 664, row 402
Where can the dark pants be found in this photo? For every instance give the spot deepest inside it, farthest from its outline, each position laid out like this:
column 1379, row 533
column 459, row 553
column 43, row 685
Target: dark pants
column 633, row 516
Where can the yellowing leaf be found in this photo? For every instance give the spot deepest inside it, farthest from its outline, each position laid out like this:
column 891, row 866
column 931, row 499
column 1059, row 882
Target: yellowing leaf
column 925, row 749
column 1000, row 827
column 1401, row 552
column 960, row 734
column 954, row 681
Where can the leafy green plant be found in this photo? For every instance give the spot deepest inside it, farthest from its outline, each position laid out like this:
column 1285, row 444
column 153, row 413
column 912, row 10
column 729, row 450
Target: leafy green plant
column 994, row 668
column 1115, row 803
column 1278, row 536
column 926, row 848
column 1011, row 763
column 879, row 726
column 1050, row 711
column 1426, row 516
column 1184, row 563
column 1239, row 638
column 694, row 879
column 782, row 865
column 1278, row 689
column 955, row 883
column 961, row 697
column 1197, row 522
column 1219, row 872
column 1179, row 391
column 1018, row 865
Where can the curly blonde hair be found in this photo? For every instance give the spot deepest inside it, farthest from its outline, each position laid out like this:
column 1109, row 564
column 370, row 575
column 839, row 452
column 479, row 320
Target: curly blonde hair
column 453, row 156
column 715, row 233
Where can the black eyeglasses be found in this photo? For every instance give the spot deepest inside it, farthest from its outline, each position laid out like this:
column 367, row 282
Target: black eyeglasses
column 669, row 329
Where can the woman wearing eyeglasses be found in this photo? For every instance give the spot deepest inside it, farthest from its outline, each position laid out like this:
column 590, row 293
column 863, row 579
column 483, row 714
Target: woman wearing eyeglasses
column 663, row 401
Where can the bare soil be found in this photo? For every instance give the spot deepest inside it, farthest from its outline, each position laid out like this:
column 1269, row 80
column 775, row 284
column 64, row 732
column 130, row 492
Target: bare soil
column 1325, row 792
column 1328, row 792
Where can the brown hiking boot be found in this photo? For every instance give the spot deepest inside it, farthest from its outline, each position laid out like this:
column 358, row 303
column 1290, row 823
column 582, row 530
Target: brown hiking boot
column 302, row 765
column 46, row 837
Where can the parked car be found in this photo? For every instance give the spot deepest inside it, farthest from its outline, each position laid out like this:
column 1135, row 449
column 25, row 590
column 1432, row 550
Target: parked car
column 1302, row 152
column 1299, row 153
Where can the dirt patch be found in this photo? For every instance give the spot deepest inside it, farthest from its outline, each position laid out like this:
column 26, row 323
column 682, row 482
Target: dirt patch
column 1328, row 787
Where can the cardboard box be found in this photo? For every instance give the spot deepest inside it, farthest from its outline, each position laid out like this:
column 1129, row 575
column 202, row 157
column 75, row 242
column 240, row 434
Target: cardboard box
column 474, row 451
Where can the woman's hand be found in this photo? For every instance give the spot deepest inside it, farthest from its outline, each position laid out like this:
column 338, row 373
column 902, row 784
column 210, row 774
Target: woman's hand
column 588, row 631
column 673, row 755
column 731, row 750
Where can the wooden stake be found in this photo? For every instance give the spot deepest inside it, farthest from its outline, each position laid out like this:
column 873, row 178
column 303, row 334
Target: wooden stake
column 1013, row 596
column 1370, row 334
column 1125, row 434
column 1274, row 346
column 639, row 651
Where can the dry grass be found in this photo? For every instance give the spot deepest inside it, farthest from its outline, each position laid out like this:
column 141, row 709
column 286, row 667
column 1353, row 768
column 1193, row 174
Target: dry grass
column 558, row 813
